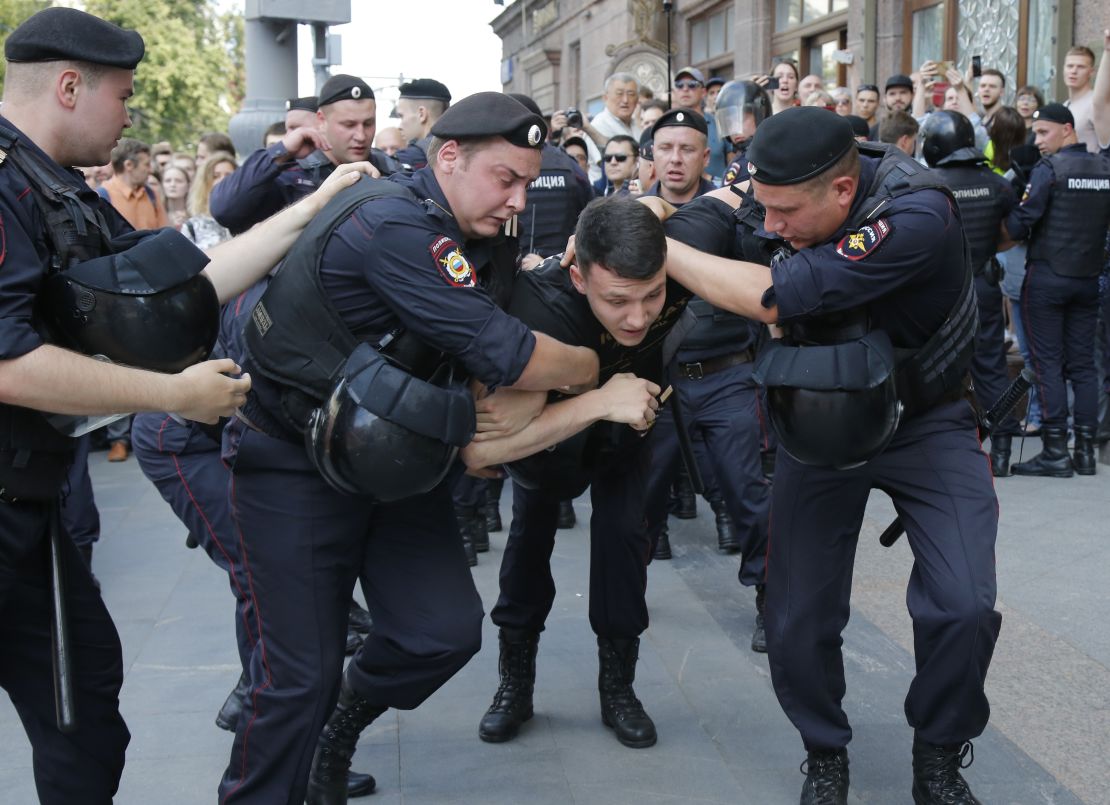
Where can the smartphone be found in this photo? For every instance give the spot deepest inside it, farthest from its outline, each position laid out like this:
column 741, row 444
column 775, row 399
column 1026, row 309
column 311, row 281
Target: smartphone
column 942, row 69
column 772, row 83
column 976, row 67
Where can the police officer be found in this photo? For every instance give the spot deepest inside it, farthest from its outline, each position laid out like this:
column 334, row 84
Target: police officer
column 421, row 104
column 741, row 107
column 1064, row 216
column 68, row 77
column 680, row 148
column 985, row 199
column 617, row 301
column 273, row 178
column 880, row 315
column 385, row 267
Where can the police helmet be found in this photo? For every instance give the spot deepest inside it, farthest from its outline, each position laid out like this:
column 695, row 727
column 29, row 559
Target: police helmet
column 386, row 435
column 736, row 100
column 147, row 306
column 944, row 133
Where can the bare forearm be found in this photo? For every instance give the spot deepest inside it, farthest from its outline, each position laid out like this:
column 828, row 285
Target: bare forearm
column 555, row 365
column 557, row 422
column 1102, row 95
column 730, row 284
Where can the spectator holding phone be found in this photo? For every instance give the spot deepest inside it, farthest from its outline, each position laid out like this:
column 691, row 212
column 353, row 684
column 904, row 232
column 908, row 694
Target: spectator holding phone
column 991, row 86
column 781, row 85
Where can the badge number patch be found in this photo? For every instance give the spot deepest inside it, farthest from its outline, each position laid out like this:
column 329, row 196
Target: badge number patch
column 452, row 263
column 857, row 245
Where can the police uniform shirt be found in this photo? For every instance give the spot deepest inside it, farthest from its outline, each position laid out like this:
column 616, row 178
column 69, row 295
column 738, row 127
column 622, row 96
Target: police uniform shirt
column 400, row 260
column 911, row 258
column 26, row 252
column 704, row 186
column 1038, row 193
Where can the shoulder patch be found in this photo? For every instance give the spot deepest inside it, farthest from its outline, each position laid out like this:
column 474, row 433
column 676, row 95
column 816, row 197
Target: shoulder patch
column 857, row 245
column 451, row 262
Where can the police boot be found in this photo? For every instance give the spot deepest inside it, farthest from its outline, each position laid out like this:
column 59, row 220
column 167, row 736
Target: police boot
column 492, row 506
column 684, row 504
column 1083, row 456
column 662, row 549
column 512, row 703
column 759, row 636
column 728, row 541
column 936, row 774
column 621, row 711
column 330, row 780
column 466, row 529
column 479, row 533
column 566, row 515
column 1053, row 460
column 228, row 717
column 358, row 619
column 826, row 774
column 1000, row 455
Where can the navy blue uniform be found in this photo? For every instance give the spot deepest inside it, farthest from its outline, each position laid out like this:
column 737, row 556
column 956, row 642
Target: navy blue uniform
column 555, row 200
column 721, row 406
column 394, row 261
column 1060, row 294
column 84, row 766
column 934, row 470
column 613, row 461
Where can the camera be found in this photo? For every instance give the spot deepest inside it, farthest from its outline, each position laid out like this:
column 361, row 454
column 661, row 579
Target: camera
column 574, row 118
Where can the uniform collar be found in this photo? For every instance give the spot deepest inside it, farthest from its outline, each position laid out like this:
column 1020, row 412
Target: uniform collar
column 69, row 175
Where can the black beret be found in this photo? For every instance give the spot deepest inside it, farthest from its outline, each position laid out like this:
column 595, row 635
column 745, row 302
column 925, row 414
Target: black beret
column 1055, row 113
column 797, row 144
column 344, row 88
column 859, row 125
column 308, row 103
column 426, row 88
column 681, row 117
column 491, row 114
column 66, row 34
column 647, row 145
column 898, row 80
column 526, row 102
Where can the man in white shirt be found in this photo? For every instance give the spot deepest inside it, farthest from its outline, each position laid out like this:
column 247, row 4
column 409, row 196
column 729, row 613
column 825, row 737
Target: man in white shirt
column 621, row 96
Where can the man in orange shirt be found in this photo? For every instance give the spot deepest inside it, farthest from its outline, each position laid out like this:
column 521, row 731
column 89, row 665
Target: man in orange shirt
column 127, row 191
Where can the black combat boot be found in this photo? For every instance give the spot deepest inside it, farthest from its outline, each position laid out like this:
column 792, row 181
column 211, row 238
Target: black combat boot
column 936, row 774
column 728, row 541
column 228, row 717
column 478, row 531
column 662, row 549
column 512, row 703
column 1053, row 460
column 466, row 530
column 492, row 506
column 759, row 636
column 684, row 503
column 330, row 781
column 1000, row 455
column 620, row 709
column 566, row 515
column 826, row 774
column 1083, row 456
column 358, row 619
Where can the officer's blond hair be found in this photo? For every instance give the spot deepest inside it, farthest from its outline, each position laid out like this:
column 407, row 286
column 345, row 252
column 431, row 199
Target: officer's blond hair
column 31, row 80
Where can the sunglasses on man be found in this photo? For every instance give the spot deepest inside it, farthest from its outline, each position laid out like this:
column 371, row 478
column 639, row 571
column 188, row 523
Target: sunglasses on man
column 687, row 84
column 615, row 158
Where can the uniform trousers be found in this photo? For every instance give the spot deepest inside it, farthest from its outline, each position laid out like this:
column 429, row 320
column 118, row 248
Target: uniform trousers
column 1061, row 316
column 85, row 765
column 940, row 481
column 304, row 545
column 619, row 553
column 988, row 363
column 80, row 516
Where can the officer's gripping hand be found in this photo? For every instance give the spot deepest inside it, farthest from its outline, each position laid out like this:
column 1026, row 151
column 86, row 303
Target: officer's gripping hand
column 630, row 400
column 341, row 178
column 506, row 412
column 206, row 392
column 662, row 209
column 302, row 141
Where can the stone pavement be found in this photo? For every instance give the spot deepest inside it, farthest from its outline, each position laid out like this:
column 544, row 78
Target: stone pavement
column 723, row 738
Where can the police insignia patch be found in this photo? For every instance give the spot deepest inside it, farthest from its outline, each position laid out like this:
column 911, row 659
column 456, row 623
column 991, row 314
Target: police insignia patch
column 857, row 245
column 452, row 263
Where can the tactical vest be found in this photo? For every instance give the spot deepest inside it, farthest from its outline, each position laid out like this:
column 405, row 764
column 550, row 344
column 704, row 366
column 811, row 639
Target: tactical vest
column 550, row 216
column 34, row 457
column 1071, row 237
column 317, row 167
column 977, row 193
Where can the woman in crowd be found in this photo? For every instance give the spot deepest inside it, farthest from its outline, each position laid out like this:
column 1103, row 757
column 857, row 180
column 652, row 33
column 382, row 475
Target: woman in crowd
column 202, row 229
column 175, row 194
column 787, row 94
column 1029, row 99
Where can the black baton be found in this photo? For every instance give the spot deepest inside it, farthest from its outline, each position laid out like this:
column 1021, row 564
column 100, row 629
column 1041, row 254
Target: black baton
column 59, row 628
column 987, row 423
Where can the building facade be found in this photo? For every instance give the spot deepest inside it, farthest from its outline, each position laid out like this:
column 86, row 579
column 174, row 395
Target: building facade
column 560, row 51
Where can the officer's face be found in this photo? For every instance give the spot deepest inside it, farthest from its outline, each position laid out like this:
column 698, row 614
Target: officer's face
column 805, row 215
column 412, row 126
column 1050, row 136
column 866, row 103
column 486, row 184
column 620, row 99
column 899, row 98
column 348, row 127
column 680, row 157
column 101, row 112
column 626, row 308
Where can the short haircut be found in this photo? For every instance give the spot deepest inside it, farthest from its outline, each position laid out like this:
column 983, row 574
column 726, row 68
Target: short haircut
column 128, row 148
column 467, row 147
column 1029, row 89
column 847, row 165
column 216, row 141
column 653, row 103
column 897, row 125
column 1081, row 50
column 30, row 79
column 275, row 130
column 161, row 148
column 623, row 78
column 991, row 71
column 646, row 93
column 622, row 235
column 633, row 143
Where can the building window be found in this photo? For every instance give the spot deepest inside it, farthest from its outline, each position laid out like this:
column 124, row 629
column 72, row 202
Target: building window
column 928, row 34
column 711, row 36
column 810, row 32
column 791, row 13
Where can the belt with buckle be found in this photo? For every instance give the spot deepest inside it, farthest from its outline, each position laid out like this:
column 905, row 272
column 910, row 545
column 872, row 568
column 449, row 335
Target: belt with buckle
column 699, row 369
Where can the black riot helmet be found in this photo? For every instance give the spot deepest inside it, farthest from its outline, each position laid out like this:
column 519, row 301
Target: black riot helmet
column 736, row 101
column 944, row 133
column 386, row 435
column 847, row 411
column 146, row 305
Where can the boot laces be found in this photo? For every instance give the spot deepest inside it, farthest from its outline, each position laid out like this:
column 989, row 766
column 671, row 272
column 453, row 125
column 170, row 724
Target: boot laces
column 827, row 773
column 940, row 769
